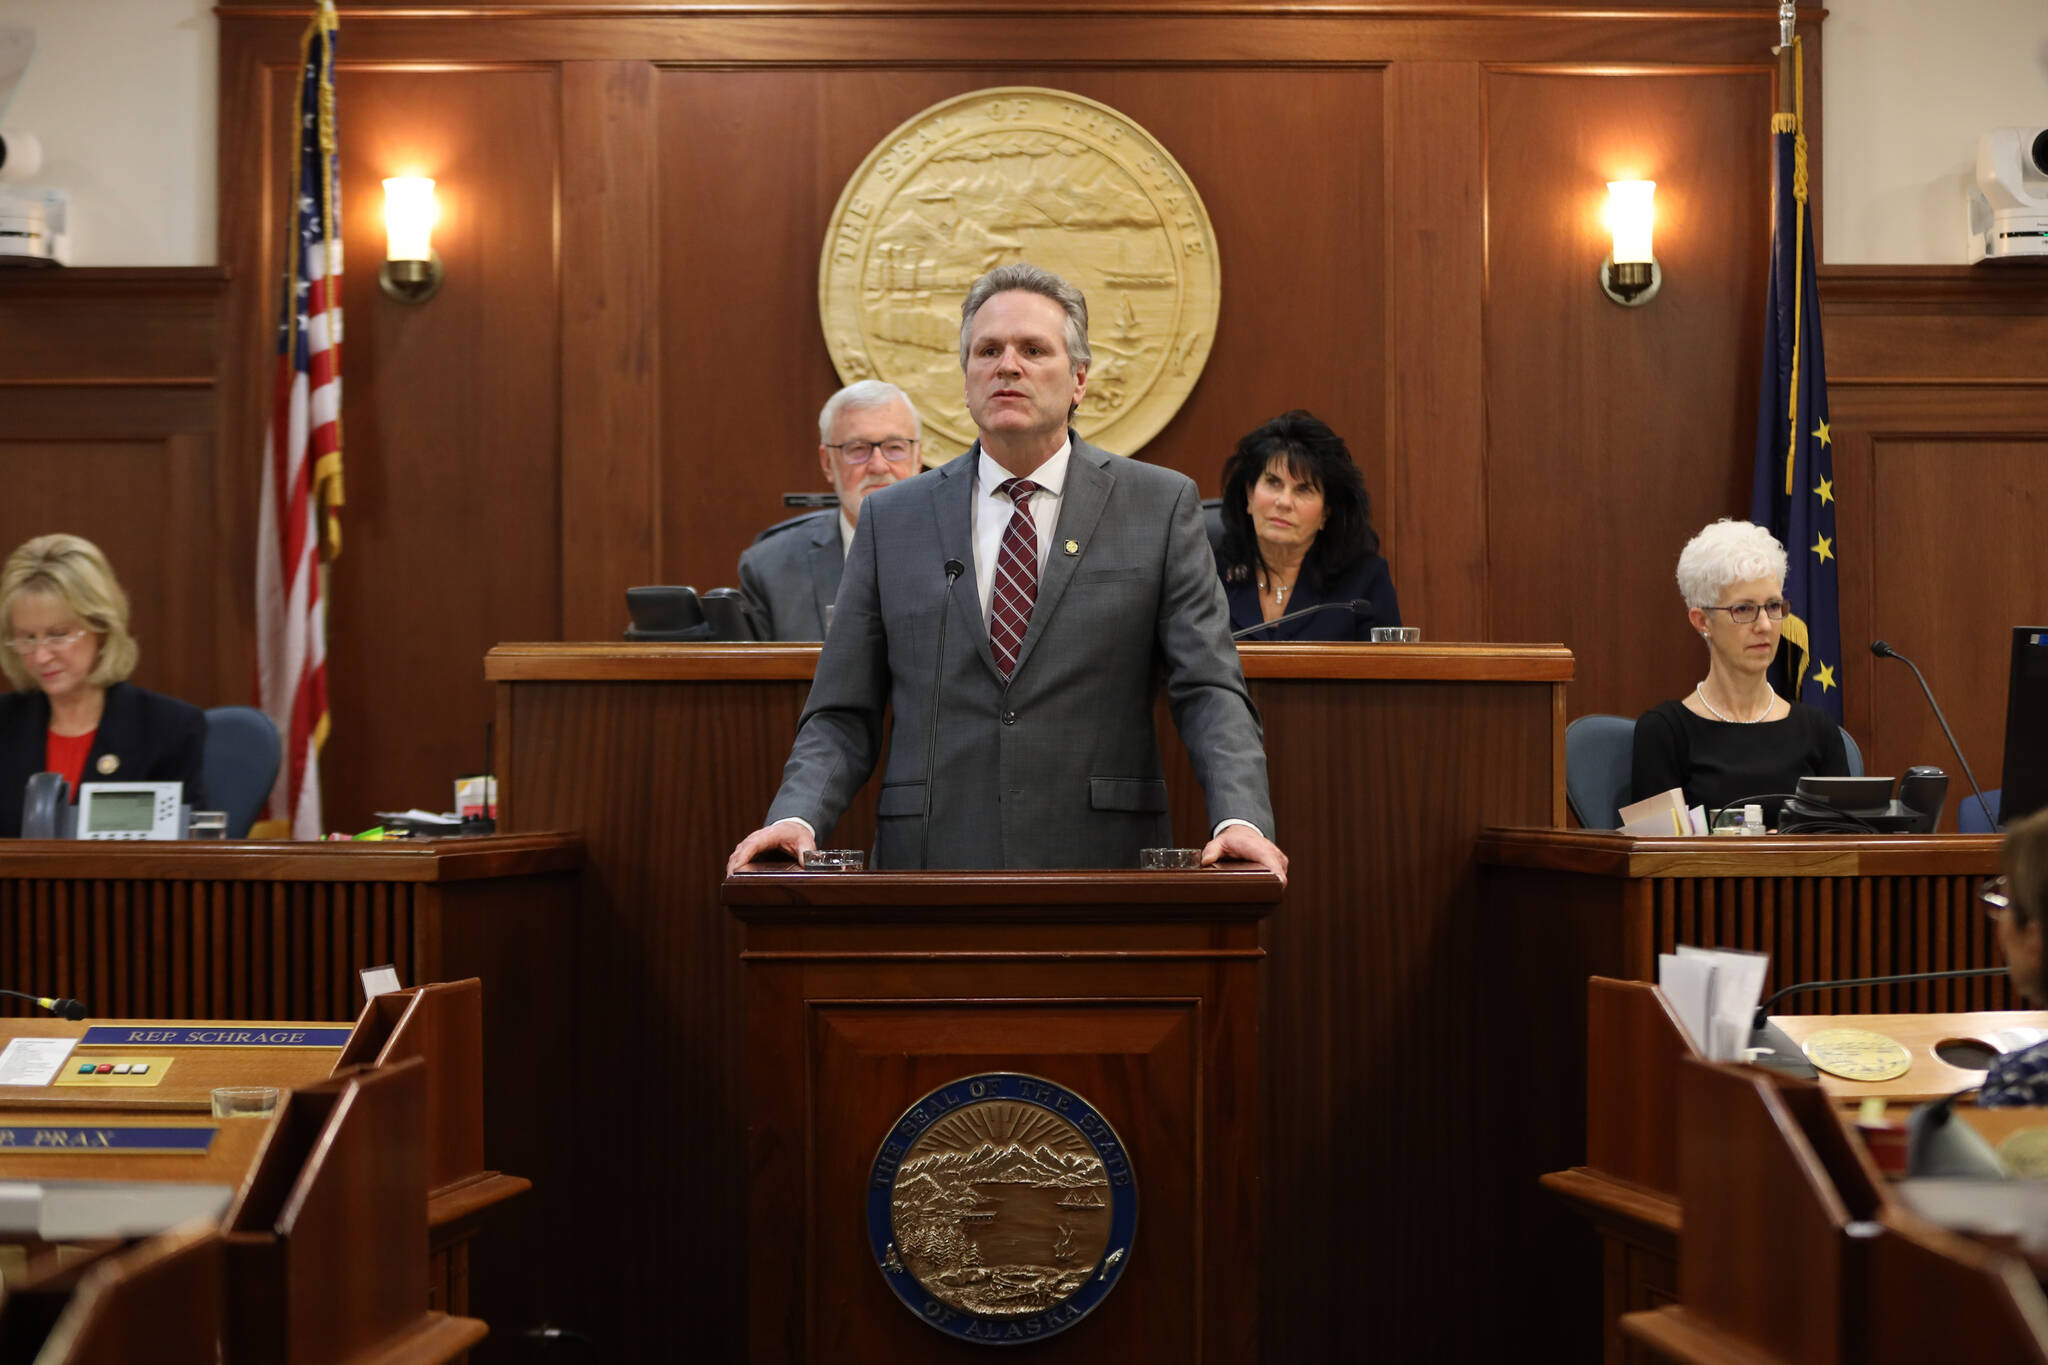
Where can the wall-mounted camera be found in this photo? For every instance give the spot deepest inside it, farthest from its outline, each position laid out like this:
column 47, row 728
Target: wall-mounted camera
column 2009, row 203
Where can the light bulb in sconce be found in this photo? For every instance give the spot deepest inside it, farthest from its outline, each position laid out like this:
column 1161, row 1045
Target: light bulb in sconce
column 411, row 272
column 1630, row 275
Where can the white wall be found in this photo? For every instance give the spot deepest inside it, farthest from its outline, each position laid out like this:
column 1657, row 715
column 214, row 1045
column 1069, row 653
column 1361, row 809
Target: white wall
column 123, row 95
column 1909, row 85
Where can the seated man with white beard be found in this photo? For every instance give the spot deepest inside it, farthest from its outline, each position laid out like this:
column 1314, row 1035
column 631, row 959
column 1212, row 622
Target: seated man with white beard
column 868, row 438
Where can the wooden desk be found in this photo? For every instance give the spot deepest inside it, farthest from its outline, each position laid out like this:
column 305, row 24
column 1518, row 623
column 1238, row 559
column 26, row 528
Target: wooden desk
column 277, row 930
column 1795, row 1251
column 320, row 1258
column 1385, row 762
column 1629, row 1186
column 440, row 1023
column 1568, row 905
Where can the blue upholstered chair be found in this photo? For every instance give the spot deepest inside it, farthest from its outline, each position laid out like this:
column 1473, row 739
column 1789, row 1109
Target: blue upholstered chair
column 1972, row 818
column 1598, row 751
column 1598, row 754
column 242, row 754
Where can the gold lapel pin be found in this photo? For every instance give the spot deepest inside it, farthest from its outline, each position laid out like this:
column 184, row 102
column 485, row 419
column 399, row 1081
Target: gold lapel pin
column 1072, row 547
column 108, row 764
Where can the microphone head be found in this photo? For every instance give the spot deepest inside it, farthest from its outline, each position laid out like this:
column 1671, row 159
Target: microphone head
column 1881, row 649
column 68, row 1009
column 954, row 568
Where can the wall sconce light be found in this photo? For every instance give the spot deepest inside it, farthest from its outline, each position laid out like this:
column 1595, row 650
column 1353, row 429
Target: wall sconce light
column 1630, row 274
column 411, row 272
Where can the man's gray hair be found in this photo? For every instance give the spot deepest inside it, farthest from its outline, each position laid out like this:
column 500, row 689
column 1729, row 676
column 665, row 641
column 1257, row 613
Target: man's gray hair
column 1032, row 279
column 865, row 393
column 1727, row 552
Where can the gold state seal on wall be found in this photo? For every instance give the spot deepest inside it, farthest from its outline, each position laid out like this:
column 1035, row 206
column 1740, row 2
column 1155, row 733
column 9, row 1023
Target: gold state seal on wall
column 1001, row 1208
column 1022, row 173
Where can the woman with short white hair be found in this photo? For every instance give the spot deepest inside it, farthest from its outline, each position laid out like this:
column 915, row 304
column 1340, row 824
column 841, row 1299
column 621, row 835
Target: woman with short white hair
column 1732, row 738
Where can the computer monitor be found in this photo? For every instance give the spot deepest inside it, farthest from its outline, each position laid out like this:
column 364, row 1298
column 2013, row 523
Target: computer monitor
column 2025, row 785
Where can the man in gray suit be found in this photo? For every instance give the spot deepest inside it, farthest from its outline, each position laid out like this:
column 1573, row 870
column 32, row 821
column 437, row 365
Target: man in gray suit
column 1027, row 739
column 868, row 438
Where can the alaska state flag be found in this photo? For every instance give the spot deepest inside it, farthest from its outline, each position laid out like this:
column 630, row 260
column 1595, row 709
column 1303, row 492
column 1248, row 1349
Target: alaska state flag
column 1794, row 493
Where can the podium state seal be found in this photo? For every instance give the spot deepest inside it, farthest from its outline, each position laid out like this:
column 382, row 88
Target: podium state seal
column 1001, row 1208
column 1022, row 173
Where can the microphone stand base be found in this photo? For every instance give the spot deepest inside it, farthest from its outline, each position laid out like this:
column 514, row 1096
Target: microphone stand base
column 1772, row 1050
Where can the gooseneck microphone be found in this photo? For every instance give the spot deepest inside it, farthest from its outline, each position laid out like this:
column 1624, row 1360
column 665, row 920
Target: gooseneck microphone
column 1777, row 1052
column 1885, row 651
column 954, row 568
column 57, row 1005
column 1357, row 606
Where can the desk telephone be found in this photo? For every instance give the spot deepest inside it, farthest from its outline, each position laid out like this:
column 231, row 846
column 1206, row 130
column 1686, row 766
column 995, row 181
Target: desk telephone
column 106, row 810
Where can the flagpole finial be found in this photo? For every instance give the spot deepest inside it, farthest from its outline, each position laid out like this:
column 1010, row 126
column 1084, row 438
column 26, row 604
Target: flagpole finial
column 1788, row 20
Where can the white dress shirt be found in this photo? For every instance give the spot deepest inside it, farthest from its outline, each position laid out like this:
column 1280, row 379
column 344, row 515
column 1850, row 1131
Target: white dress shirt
column 989, row 513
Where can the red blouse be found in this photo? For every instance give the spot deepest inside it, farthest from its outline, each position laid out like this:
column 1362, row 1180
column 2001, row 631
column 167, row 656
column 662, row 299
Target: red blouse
column 66, row 754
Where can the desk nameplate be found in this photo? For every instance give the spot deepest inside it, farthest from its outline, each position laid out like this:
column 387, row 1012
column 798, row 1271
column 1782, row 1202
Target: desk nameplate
column 157, row 1035
column 92, row 1139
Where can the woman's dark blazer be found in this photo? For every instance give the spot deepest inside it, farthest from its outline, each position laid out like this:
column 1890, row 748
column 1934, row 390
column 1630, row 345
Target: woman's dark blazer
column 1365, row 579
column 153, row 738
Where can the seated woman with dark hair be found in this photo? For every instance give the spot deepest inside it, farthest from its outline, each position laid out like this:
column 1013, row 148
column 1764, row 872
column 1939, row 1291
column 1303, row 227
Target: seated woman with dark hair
column 2017, row 901
column 1733, row 738
column 1297, row 533
column 68, row 653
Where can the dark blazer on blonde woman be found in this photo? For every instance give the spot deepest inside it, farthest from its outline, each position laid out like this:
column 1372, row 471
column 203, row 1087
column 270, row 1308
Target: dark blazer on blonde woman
column 149, row 738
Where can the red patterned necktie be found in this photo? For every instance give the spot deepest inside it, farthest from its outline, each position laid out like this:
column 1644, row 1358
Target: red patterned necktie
column 1016, row 586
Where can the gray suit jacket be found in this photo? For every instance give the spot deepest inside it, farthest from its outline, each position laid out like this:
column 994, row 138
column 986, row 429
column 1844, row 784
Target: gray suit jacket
column 790, row 574
column 1059, row 767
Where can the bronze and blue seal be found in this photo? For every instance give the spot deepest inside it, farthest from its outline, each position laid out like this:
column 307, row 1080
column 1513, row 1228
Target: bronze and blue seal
column 1001, row 1208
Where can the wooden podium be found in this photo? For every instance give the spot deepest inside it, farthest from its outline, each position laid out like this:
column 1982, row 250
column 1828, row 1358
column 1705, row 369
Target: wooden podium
column 1385, row 762
column 1135, row 991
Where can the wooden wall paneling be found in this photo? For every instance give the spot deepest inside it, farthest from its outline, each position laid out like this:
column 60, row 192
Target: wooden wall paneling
column 145, row 497
column 1940, row 412
column 830, row 32
column 450, row 427
column 107, row 430
column 611, row 327
column 1436, row 408
column 741, row 385
column 1956, row 562
column 1614, row 434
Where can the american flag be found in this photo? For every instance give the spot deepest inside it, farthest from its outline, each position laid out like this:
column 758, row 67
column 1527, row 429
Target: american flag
column 302, row 454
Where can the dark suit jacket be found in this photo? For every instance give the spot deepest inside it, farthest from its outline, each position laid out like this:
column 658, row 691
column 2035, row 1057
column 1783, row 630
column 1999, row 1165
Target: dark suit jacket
column 152, row 738
column 790, row 574
column 1365, row 579
column 1060, row 766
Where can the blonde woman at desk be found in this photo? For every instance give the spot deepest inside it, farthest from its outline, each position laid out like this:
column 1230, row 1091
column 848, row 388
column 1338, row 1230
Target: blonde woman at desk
column 68, row 653
column 2017, row 901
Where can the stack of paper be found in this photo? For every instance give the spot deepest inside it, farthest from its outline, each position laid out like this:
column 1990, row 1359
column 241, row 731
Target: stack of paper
column 1715, row 992
column 1664, row 813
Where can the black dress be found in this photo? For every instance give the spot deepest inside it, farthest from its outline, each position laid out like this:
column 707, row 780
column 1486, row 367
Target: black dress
column 1717, row 762
column 149, row 737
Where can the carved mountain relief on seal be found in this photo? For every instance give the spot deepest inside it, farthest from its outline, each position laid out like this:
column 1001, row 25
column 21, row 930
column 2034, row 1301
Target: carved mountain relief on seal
column 1020, row 173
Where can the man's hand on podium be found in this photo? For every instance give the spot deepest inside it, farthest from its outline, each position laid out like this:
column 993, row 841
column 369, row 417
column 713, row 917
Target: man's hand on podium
column 791, row 836
column 1243, row 841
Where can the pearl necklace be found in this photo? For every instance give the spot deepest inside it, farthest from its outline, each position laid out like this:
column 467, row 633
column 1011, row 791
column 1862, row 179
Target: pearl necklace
column 1697, row 692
